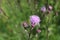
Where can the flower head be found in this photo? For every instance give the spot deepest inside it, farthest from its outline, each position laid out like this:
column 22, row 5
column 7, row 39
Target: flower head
column 43, row 9
column 34, row 19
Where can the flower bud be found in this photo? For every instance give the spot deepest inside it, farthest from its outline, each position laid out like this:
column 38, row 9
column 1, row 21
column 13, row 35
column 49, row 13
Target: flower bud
column 43, row 9
column 38, row 31
column 25, row 24
column 50, row 7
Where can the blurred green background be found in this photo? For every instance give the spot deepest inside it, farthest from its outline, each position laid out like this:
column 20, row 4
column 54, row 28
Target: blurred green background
column 14, row 12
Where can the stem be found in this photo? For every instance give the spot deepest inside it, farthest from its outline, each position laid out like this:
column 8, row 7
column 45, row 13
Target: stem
column 29, row 34
column 48, row 22
column 47, row 33
column 29, row 37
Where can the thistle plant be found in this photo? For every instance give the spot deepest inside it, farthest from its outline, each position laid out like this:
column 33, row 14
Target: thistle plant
column 40, row 19
column 34, row 21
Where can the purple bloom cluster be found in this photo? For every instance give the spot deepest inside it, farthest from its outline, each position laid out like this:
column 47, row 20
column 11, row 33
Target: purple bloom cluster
column 34, row 19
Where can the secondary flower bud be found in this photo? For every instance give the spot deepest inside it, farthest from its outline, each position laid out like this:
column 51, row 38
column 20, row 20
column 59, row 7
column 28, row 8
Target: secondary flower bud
column 50, row 7
column 38, row 31
column 25, row 24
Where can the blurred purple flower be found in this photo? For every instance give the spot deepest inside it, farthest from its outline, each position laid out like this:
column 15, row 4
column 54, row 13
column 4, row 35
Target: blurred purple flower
column 43, row 9
column 50, row 7
column 34, row 19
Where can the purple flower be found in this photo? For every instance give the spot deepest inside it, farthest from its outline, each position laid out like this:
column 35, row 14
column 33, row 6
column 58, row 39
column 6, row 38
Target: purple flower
column 43, row 9
column 50, row 7
column 34, row 19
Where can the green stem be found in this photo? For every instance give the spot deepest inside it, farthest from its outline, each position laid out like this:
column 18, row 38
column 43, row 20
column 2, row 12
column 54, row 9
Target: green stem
column 29, row 34
column 47, row 33
column 48, row 22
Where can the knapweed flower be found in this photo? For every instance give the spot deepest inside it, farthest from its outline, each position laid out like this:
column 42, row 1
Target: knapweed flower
column 43, row 9
column 25, row 24
column 50, row 7
column 38, row 31
column 34, row 19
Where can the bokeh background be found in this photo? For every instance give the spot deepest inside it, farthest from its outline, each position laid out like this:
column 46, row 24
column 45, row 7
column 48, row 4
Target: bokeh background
column 14, row 12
